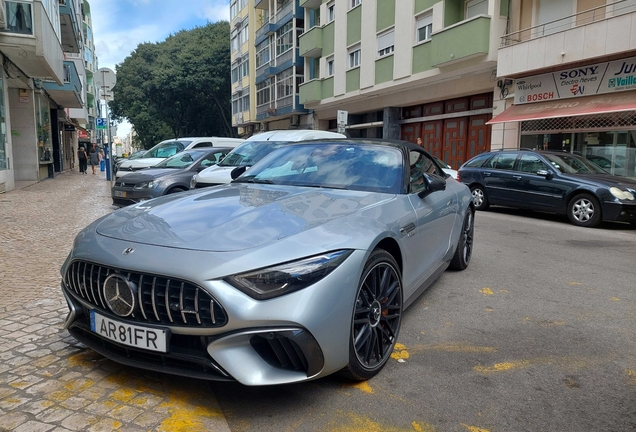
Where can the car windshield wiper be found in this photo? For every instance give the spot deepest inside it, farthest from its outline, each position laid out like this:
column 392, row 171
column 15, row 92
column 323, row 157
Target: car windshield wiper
column 253, row 179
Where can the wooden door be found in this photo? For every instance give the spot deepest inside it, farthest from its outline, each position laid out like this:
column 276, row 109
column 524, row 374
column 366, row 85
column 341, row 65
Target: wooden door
column 410, row 132
column 432, row 137
column 454, row 148
column 478, row 136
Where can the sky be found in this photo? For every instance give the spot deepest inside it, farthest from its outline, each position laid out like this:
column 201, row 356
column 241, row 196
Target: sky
column 120, row 25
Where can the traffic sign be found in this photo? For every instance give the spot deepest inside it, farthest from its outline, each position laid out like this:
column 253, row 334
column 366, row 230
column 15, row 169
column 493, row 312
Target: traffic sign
column 100, row 123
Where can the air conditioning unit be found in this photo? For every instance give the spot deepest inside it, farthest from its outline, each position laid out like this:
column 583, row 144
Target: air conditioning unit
column 294, row 120
column 263, row 127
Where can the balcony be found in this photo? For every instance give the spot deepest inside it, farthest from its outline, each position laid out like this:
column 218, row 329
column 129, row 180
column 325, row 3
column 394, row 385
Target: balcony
column 595, row 33
column 311, row 91
column 462, row 41
column 310, row 4
column 261, row 34
column 35, row 49
column 261, row 4
column 311, row 43
column 70, row 31
column 69, row 94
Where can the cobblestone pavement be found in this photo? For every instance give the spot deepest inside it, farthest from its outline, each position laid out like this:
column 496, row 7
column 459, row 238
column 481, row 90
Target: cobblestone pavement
column 49, row 381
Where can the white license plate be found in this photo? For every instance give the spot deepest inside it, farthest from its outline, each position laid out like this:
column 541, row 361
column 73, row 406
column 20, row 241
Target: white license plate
column 147, row 338
column 119, row 194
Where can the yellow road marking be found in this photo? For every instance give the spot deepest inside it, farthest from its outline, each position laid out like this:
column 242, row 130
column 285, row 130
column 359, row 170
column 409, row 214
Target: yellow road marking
column 399, row 352
column 486, row 291
column 474, row 429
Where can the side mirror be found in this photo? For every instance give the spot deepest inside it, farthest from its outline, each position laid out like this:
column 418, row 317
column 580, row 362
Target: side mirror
column 433, row 184
column 545, row 173
column 236, row 172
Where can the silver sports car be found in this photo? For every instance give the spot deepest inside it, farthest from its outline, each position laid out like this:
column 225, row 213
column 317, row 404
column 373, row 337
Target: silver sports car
column 301, row 267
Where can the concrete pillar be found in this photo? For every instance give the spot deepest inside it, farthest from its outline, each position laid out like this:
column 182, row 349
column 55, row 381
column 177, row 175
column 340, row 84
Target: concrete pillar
column 392, row 129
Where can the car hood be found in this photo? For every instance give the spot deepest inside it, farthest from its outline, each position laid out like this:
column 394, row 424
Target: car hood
column 608, row 180
column 234, row 217
column 151, row 174
column 141, row 162
column 216, row 174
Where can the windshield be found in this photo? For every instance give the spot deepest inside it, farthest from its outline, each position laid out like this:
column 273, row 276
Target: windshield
column 166, row 149
column 571, row 164
column 137, row 155
column 181, row 160
column 250, row 152
column 352, row 166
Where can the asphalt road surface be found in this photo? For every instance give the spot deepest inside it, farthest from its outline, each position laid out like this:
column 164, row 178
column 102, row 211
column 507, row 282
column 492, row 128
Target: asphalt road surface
column 538, row 334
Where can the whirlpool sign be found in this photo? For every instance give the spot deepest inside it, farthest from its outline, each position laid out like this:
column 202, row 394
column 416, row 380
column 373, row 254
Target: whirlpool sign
column 601, row 78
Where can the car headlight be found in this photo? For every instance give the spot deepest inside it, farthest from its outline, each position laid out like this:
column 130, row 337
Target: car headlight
column 288, row 277
column 147, row 185
column 621, row 194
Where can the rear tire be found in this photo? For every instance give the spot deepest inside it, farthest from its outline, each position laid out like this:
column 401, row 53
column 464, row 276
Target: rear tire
column 464, row 250
column 584, row 210
column 480, row 198
column 377, row 314
column 175, row 190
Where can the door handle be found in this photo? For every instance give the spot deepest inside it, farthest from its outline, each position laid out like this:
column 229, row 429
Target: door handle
column 487, row 174
column 516, row 177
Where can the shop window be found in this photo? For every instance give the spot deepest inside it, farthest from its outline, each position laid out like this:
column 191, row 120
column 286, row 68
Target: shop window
column 3, row 129
column 43, row 121
column 412, row 112
column 19, row 17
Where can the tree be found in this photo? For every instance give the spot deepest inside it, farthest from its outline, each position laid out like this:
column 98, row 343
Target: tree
column 178, row 87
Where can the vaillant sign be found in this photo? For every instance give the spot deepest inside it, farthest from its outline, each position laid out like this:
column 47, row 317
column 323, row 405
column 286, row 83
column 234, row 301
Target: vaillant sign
column 601, row 78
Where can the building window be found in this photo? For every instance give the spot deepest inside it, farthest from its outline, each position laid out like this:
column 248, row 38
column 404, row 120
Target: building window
column 385, row 43
column 285, row 85
column 240, row 102
column 331, row 11
column 354, row 3
column 263, row 95
column 285, row 38
column 424, row 27
column 354, row 57
column 19, row 17
column 476, row 7
column 241, row 69
column 262, row 53
column 234, row 8
column 329, row 67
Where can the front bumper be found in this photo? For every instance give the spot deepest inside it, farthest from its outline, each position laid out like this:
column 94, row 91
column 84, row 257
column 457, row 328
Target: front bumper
column 296, row 337
column 619, row 211
column 126, row 196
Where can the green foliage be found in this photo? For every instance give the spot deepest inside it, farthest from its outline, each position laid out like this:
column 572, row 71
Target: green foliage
column 179, row 87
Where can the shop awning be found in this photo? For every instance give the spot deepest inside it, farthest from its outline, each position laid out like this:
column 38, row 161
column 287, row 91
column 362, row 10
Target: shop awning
column 582, row 106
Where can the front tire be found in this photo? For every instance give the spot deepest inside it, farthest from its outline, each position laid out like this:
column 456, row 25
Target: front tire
column 480, row 198
column 377, row 315
column 464, row 250
column 584, row 210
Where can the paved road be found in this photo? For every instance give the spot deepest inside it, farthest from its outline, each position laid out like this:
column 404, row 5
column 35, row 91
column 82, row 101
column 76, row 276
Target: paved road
column 537, row 335
column 49, row 382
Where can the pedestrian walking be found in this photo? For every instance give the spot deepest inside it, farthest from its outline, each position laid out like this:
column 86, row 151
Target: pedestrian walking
column 102, row 163
column 93, row 157
column 83, row 159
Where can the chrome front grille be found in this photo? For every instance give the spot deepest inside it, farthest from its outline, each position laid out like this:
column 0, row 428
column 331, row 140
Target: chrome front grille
column 160, row 300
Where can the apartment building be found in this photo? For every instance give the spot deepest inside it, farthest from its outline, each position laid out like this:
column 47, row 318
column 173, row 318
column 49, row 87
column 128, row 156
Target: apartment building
column 42, row 96
column 571, row 65
column 405, row 69
column 266, row 66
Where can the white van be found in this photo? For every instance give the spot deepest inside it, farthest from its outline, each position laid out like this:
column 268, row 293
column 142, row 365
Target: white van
column 251, row 151
column 170, row 147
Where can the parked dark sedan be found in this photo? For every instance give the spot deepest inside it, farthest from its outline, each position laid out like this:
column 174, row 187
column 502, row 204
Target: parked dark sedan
column 168, row 176
column 554, row 182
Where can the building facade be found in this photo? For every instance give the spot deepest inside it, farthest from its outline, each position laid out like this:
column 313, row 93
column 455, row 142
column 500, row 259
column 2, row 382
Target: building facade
column 405, row 69
column 266, row 67
column 572, row 69
column 43, row 98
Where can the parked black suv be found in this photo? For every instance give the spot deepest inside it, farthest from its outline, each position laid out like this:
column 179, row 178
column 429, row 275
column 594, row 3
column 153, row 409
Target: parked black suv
column 554, row 182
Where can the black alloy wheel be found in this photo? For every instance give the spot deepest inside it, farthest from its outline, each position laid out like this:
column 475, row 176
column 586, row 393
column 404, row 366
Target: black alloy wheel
column 377, row 316
column 480, row 199
column 464, row 250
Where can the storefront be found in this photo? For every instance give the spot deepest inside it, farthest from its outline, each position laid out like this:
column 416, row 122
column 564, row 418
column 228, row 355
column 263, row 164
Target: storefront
column 452, row 130
column 589, row 110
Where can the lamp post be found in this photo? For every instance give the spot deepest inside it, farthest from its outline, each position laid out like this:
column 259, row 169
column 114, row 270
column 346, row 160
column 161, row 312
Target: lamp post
column 106, row 85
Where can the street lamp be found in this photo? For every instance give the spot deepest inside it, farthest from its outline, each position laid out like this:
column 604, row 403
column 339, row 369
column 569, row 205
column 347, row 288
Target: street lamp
column 106, row 85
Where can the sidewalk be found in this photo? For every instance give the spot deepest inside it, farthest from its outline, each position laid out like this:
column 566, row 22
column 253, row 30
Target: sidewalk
column 48, row 381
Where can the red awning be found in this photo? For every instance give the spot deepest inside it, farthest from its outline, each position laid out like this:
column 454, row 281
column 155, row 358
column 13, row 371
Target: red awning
column 588, row 105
